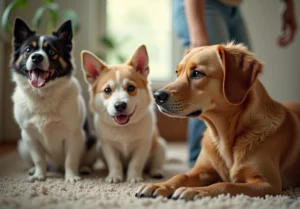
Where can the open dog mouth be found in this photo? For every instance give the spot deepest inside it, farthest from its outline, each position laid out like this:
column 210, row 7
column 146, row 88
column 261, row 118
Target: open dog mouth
column 38, row 77
column 123, row 119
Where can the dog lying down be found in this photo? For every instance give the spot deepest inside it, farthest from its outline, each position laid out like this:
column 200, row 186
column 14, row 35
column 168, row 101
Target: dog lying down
column 252, row 143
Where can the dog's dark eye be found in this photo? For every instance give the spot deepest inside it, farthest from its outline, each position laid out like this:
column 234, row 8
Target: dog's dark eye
column 130, row 88
column 107, row 90
column 29, row 49
column 51, row 52
column 197, row 74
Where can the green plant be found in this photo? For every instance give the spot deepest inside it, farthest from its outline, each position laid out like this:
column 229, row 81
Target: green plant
column 108, row 42
column 111, row 46
column 47, row 6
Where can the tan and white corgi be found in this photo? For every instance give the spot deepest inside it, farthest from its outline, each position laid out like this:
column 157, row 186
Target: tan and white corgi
column 125, row 121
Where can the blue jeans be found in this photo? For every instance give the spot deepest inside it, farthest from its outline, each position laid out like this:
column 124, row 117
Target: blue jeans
column 224, row 24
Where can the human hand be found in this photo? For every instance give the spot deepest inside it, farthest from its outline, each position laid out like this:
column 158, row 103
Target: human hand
column 200, row 42
column 199, row 39
column 289, row 24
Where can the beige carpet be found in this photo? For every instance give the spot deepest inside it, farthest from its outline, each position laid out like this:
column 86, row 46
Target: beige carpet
column 93, row 193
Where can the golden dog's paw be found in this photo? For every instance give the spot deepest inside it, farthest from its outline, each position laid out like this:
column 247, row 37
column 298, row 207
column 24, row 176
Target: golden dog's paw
column 189, row 193
column 154, row 190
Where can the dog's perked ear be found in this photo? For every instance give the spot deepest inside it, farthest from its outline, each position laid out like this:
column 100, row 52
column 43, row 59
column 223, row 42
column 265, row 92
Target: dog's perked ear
column 240, row 72
column 65, row 34
column 91, row 66
column 140, row 61
column 21, row 32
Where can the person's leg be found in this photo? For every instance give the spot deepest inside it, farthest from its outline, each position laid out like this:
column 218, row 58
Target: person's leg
column 217, row 17
column 180, row 24
column 218, row 32
column 238, row 29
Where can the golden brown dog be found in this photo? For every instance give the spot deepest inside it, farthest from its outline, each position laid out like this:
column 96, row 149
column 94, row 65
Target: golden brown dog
column 252, row 143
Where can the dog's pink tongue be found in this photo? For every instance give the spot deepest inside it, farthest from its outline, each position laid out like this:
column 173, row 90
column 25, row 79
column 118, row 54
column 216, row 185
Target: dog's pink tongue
column 38, row 78
column 121, row 119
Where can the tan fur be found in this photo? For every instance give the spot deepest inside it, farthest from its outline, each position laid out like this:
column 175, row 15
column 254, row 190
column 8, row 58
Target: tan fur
column 63, row 62
column 133, row 146
column 18, row 62
column 46, row 44
column 252, row 142
column 126, row 71
column 34, row 44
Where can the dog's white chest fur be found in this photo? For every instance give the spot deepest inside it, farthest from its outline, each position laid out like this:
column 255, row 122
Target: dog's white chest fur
column 49, row 116
column 126, row 139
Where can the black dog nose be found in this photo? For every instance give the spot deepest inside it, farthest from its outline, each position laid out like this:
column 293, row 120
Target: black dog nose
column 37, row 58
column 120, row 106
column 161, row 97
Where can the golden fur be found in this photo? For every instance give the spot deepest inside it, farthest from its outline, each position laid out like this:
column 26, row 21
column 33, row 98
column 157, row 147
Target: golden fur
column 252, row 143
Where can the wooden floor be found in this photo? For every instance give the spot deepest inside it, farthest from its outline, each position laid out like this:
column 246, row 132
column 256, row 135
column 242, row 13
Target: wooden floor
column 7, row 147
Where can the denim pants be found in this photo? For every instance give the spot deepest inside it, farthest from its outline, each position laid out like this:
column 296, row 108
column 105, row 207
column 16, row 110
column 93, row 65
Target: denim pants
column 223, row 23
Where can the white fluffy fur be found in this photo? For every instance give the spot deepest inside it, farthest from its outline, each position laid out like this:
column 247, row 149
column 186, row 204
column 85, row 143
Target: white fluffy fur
column 51, row 121
column 128, row 146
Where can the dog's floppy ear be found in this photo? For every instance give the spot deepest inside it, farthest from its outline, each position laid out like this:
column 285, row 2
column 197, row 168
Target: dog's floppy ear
column 240, row 72
column 91, row 66
column 21, row 32
column 140, row 60
column 65, row 34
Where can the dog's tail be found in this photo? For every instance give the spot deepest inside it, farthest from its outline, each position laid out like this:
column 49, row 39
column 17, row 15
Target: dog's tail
column 91, row 138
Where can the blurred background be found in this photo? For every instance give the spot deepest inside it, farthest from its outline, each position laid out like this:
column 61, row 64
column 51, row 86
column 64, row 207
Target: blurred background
column 113, row 29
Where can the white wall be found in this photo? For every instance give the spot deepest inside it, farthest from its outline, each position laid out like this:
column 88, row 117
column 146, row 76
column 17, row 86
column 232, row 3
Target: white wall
column 281, row 74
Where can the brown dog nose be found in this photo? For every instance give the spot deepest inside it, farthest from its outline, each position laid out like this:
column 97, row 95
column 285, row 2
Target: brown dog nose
column 161, row 97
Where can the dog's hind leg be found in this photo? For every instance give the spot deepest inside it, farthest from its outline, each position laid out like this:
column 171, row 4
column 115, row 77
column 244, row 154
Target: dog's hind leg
column 157, row 159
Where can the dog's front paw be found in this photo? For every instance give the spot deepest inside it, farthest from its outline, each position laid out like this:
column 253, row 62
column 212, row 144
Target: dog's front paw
column 188, row 193
column 154, row 190
column 114, row 178
column 135, row 179
column 36, row 177
column 72, row 178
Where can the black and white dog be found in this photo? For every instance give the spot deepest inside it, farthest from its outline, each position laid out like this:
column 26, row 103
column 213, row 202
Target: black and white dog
column 48, row 105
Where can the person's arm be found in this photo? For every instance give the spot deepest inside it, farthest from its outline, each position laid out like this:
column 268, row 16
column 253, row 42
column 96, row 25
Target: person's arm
column 195, row 15
column 289, row 24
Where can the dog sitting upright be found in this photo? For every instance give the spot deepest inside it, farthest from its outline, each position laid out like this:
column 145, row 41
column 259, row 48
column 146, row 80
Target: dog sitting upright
column 48, row 105
column 125, row 120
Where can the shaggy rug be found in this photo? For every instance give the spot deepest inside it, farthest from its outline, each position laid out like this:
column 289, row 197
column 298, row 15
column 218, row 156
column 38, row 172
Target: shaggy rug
column 94, row 193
